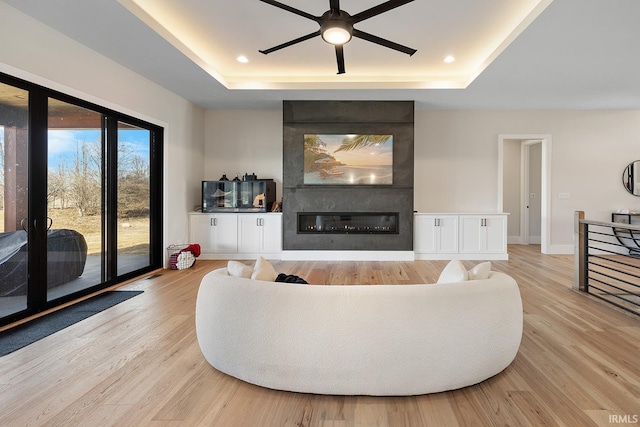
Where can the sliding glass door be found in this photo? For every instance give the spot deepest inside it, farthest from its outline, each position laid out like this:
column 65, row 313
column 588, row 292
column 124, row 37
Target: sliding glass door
column 14, row 206
column 80, row 198
column 134, row 198
column 75, row 208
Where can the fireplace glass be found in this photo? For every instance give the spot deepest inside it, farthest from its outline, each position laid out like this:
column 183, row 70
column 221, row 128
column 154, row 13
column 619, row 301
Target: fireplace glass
column 348, row 223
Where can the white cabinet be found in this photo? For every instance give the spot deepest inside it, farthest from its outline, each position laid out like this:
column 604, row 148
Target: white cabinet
column 214, row 232
column 260, row 234
column 436, row 234
column 483, row 234
column 462, row 236
column 236, row 235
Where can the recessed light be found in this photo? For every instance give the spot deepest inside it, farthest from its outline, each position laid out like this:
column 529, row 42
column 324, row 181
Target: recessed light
column 242, row 59
column 449, row 59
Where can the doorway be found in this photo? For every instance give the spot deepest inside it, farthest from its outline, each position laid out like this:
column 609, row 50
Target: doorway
column 531, row 182
column 524, row 187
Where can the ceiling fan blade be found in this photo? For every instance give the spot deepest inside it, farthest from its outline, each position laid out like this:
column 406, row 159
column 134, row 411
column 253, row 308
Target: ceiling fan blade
column 290, row 43
column 383, row 42
column 340, row 58
column 334, row 4
column 377, row 10
column 292, row 10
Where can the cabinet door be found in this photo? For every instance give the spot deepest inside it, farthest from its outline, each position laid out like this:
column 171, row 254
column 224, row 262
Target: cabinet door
column 471, row 240
column 271, row 234
column 425, row 234
column 447, row 229
column 201, row 232
column 226, row 232
column 249, row 233
column 495, row 233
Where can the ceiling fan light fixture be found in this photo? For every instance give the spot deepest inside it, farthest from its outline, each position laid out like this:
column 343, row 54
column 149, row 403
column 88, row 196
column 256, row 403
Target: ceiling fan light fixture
column 336, row 32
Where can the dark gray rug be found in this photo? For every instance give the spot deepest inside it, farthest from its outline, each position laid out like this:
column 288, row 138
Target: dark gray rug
column 34, row 330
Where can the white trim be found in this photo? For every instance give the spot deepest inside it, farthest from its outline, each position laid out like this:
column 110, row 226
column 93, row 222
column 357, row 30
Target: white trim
column 238, row 256
column 348, row 256
column 482, row 256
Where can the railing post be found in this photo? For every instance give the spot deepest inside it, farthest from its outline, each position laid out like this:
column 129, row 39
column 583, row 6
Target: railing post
column 580, row 236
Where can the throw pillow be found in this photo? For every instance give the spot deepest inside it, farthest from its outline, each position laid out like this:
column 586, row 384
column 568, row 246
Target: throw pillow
column 480, row 271
column 239, row 269
column 453, row 272
column 263, row 270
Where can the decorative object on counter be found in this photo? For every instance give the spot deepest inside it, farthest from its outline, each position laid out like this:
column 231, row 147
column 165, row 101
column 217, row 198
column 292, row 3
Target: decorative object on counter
column 276, row 207
column 237, row 178
column 224, row 177
column 248, row 177
column 238, row 196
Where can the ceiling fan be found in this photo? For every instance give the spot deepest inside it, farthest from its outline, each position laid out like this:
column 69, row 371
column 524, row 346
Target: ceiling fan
column 336, row 27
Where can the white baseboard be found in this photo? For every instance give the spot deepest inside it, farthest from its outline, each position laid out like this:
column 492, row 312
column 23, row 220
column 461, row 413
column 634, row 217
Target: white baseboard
column 237, row 256
column 348, row 256
column 463, row 257
column 514, row 240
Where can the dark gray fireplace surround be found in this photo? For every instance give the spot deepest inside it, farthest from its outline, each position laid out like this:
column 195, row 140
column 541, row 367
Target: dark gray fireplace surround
column 348, row 117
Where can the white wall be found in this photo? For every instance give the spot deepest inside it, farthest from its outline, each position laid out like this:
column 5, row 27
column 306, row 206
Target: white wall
column 456, row 157
column 32, row 51
column 244, row 141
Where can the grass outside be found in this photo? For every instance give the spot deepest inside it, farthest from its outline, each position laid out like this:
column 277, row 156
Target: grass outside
column 133, row 233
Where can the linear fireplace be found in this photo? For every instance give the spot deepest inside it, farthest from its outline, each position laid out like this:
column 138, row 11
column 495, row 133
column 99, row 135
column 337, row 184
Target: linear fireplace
column 348, row 223
column 324, row 217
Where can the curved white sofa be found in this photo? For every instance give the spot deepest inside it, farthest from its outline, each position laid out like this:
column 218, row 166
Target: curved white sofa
column 360, row 339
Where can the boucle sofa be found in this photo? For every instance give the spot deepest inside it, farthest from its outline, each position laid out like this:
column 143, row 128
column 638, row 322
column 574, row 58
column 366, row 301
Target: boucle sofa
column 359, row 339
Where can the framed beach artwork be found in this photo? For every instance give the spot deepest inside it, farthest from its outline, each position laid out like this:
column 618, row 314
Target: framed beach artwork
column 348, row 159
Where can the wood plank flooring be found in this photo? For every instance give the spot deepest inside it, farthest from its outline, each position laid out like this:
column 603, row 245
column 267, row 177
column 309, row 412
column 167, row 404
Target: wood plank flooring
column 139, row 364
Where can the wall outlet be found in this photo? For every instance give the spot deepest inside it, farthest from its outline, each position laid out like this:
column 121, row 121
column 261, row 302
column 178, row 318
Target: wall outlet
column 564, row 196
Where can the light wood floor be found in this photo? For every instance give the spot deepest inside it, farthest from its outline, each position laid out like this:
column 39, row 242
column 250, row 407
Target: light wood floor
column 138, row 363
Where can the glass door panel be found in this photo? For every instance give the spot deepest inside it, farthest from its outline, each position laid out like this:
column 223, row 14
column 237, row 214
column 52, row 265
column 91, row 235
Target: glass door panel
column 134, row 195
column 75, row 199
column 13, row 199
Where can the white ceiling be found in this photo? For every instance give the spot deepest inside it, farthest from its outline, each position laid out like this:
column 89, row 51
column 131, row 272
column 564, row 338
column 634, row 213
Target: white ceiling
column 214, row 34
column 510, row 53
